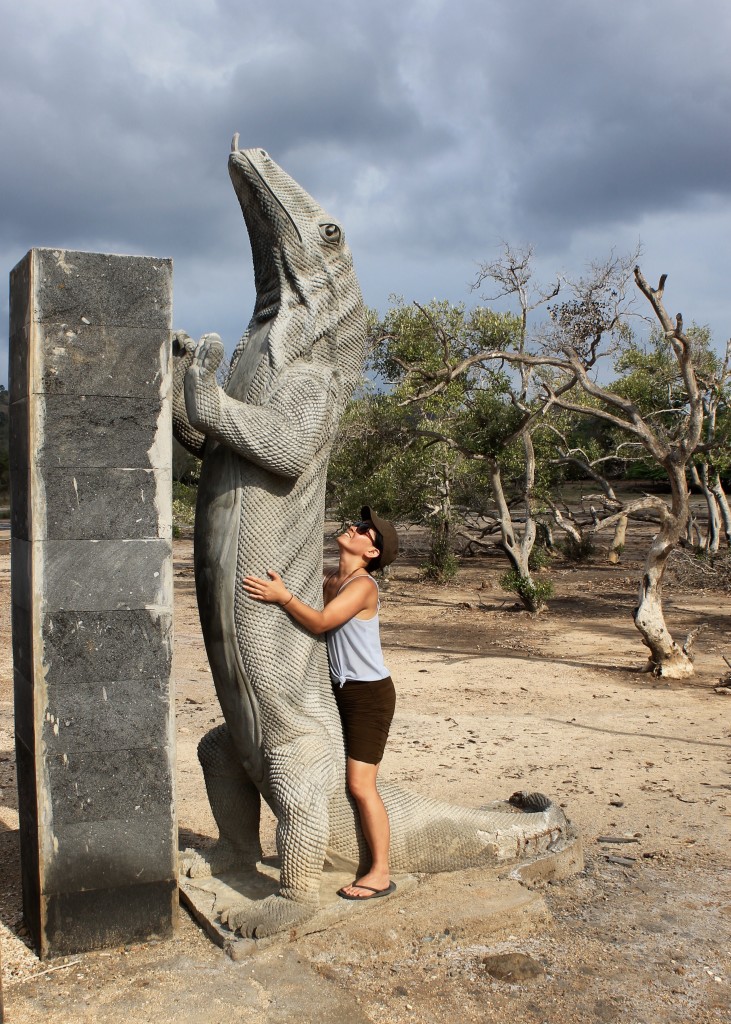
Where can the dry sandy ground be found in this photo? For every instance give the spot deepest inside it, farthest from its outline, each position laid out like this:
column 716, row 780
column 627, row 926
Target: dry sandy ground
column 489, row 701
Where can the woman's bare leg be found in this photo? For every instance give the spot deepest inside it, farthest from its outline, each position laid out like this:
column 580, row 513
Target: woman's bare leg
column 361, row 779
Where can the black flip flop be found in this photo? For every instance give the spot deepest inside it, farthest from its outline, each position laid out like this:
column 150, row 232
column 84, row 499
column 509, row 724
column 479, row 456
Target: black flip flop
column 375, row 893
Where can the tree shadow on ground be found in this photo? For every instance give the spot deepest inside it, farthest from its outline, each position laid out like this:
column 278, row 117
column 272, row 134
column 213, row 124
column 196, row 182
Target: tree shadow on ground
column 636, row 734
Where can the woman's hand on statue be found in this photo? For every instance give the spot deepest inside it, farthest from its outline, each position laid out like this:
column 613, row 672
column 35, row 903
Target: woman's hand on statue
column 272, row 590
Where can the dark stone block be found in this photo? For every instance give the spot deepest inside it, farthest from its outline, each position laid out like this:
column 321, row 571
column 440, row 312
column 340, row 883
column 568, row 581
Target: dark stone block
column 112, row 361
column 29, row 853
column 111, row 854
column 82, row 648
column 22, row 627
column 78, row 921
column 91, row 288
column 18, row 364
column 97, row 575
column 94, row 431
column 20, row 294
column 103, row 504
column 103, row 785
column 24, row 709
column 20, row 470
column 21, row 580
column 108, row 716
column 26, row 778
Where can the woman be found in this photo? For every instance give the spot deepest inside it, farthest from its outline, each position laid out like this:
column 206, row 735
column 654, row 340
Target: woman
column 362, row 685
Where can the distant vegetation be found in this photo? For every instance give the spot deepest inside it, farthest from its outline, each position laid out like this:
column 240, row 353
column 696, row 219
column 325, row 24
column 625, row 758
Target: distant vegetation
column 500, row 429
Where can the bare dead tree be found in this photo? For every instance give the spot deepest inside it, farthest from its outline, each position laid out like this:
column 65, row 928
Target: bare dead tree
column 671, row 450
column 705, row 473
column 570, row 353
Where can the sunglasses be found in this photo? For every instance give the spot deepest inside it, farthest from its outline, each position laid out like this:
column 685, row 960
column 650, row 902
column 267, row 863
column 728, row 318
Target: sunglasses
column 365, row 529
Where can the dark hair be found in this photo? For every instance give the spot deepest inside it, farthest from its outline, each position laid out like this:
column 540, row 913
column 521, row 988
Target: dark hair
column 375, row 563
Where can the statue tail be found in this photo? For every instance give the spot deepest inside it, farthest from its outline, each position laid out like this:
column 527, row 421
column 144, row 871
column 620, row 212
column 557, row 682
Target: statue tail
column 430, row 835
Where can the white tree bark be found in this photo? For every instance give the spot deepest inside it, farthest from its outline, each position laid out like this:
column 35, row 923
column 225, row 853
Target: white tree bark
column 620, row 532
column 667, row 658
column 723, row 507
column 712, row 539
column 517, row 553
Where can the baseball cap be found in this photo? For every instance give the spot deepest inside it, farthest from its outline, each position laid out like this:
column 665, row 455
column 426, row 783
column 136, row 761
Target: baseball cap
column 387, row 530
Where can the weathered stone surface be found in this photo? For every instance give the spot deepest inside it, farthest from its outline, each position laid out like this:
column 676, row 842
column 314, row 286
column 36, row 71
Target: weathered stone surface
column 92, row 595
column 106, row 504
column 79, row 921
column 95, row 360
column 100, row 785
column 81, row 431
column 205, row 898
column 111, row 853
column 126, row 713
column 95, row 575
column 91, row 288
column 100, row 646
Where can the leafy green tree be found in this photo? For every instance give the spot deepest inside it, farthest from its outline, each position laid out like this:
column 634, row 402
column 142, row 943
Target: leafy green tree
column 481, row 413
column 378, row 457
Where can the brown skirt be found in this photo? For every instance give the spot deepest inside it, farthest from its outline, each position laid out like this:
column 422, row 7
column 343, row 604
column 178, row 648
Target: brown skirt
column 366, row 709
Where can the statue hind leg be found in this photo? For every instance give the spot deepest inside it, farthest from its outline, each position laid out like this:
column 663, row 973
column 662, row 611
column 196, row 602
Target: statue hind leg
column 236, row 804
column 301, row 778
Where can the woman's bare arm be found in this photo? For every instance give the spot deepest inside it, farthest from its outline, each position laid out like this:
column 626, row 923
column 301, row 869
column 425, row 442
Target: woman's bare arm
column 357, row 597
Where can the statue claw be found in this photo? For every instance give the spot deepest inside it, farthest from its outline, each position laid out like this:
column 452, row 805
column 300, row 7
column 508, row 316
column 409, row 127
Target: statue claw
column 267, row 917
column 222, row 856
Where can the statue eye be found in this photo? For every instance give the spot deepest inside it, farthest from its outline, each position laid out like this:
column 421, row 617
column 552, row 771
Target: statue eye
column 331, row 233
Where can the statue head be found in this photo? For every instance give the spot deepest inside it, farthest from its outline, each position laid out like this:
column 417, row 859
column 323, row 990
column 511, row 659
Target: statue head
column 301, row 265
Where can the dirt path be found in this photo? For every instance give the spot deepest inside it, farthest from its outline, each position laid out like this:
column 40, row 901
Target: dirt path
column 490, row 701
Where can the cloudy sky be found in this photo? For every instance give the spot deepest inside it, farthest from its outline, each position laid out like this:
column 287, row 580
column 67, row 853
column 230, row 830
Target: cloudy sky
column 432, row 129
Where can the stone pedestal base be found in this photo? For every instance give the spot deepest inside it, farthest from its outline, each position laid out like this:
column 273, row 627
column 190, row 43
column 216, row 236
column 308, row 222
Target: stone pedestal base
column 91, row 547
column 480, row 903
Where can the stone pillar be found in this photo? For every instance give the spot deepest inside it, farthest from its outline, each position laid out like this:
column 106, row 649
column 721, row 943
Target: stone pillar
column 90, row 442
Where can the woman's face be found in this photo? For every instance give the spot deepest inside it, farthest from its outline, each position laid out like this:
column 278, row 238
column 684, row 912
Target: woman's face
column 359, row 538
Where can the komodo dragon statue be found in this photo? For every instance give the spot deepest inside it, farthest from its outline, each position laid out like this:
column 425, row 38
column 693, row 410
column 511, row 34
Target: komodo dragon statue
column 264, row 440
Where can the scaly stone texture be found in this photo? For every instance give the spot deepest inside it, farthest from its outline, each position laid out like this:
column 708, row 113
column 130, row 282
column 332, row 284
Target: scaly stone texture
column 91, row 457
column 265, row 439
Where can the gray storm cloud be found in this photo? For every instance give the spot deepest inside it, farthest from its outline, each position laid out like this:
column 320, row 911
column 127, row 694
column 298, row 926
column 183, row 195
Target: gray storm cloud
column 434, row 130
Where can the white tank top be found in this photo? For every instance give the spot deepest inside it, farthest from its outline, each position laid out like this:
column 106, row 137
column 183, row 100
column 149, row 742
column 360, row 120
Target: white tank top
column 354, row 649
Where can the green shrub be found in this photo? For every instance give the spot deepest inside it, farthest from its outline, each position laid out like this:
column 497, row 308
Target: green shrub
column 539, row 558
column 535, row 591
column 578, row 550
column 440, row 572
column 184, row 499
